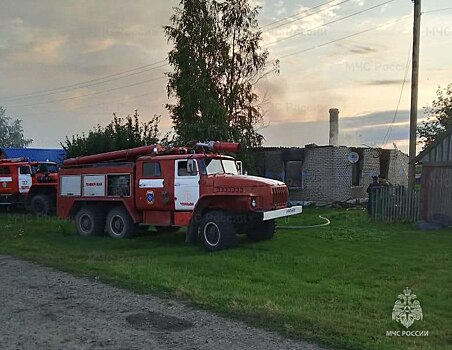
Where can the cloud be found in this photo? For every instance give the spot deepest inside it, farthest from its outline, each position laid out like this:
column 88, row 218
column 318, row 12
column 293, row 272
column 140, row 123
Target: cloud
column 359, row 2
column 46, row 44
column 280, row 8
column 384, row 82
column 367, row 129
column 373, row 119
column 48, row 49
column 302, row 22
column 364, row 50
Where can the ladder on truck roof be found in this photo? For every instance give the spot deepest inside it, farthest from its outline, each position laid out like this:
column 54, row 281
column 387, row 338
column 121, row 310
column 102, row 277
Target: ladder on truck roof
column 132, row 154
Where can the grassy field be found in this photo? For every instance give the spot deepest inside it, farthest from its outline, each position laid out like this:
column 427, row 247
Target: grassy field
column 334, row 285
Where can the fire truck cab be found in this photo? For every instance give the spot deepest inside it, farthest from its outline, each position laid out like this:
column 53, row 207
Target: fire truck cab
column 118, row 192
column 29, row 184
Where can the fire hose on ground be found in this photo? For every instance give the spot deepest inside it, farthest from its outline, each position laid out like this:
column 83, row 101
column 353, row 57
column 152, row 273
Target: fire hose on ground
column 326, row 223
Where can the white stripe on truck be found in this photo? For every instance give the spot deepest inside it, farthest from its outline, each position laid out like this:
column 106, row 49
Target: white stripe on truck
column 150, row 183
column 280, row 213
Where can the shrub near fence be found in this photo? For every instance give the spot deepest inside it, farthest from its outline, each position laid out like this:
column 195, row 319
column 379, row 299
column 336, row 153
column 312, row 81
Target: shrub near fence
column 395, row 204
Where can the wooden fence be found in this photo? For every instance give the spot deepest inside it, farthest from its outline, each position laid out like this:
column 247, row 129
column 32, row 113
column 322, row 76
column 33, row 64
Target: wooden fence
column 394, row 204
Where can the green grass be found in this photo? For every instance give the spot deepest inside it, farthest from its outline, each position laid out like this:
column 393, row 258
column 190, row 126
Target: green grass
column 334, row 285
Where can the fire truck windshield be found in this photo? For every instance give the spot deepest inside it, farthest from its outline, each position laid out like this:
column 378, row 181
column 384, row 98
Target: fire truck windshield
column 219, row 166
column 229, row 167
column 45, row 168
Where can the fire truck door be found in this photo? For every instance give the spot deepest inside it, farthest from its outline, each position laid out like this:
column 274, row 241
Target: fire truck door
column 186, row 185
column 24, row 178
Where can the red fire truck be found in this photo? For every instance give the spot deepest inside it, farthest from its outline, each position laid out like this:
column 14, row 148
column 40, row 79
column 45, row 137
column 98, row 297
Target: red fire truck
column 29, row 184
column 118, row 192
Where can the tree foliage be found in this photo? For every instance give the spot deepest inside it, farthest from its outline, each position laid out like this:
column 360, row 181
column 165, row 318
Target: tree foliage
column 11, row 132
column 217, row 61
column 439, row 117
column 120, row 133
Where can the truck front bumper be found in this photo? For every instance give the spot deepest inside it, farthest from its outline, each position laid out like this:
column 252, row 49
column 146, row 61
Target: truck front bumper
column 280, row 213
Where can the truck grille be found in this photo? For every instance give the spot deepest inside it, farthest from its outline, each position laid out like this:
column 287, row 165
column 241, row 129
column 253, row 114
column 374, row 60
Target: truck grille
column 280, row 195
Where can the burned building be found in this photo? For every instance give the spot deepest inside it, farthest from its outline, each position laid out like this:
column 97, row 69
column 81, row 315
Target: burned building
column 325, row 174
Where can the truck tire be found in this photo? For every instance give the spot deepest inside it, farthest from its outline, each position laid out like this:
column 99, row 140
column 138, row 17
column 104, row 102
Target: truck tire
column 41, row 204
column 262, row 231
column 216, row 231
column 90, row 221
column 119, row 223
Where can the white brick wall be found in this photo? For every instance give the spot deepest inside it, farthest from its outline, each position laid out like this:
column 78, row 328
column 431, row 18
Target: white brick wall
column 327, row 173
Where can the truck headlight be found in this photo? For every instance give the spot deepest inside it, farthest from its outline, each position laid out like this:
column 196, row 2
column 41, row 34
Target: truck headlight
column 253, row 202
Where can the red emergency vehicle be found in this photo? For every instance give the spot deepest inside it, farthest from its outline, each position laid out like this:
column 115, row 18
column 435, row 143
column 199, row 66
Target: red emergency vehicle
column 29, row 184
column 118, row 192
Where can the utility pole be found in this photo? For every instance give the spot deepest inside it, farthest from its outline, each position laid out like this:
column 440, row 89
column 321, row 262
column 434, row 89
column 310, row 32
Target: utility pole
column 414, row 93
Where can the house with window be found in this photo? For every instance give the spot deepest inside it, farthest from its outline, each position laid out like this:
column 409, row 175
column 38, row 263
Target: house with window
column 326, row 174
column 332, row 173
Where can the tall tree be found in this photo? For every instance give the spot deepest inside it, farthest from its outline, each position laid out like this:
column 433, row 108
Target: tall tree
column 439, row 117
column 120, row 133
column 12, row 132
column 217, row 61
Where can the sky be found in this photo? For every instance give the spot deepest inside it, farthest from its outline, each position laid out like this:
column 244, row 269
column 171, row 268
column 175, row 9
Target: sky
column 66, row 66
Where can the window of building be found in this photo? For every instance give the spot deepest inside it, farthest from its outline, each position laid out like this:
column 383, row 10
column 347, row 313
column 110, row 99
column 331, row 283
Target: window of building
column 118, row 185
column 357, row 168
column 385, row 157
column 152, row 169
column 294, row 174
column 356, row 175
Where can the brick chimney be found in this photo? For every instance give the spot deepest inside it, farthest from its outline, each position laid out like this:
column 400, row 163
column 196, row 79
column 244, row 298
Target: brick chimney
column 334, row 127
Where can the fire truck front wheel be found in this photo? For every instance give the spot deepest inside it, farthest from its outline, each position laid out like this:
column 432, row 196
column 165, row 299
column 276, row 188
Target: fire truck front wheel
column 217, row 231
column 41, row 204
column 262, row 231
column 119, row 223
column 90, row 221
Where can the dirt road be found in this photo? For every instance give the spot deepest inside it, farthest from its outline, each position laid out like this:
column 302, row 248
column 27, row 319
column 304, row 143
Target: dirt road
column 41, row 308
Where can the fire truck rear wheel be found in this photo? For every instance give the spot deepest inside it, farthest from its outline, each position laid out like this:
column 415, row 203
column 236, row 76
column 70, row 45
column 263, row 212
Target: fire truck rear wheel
column 90, row 221
column 41, row 204
column 217, row 232
column 262, row 231
column 119, row 223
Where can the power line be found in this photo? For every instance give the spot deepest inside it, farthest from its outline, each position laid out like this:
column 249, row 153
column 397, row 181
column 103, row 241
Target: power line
column 407, row 67
column 328, row 23
column 295, row 15
column 91, row 94
column 142, row 69
column 133, row 71
column 155, row 79
column 75, row 85
column 46, row 112
column 137, row 70
column 304, row 12
column 438, row 10
column 85, row 85
column 343, row 38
